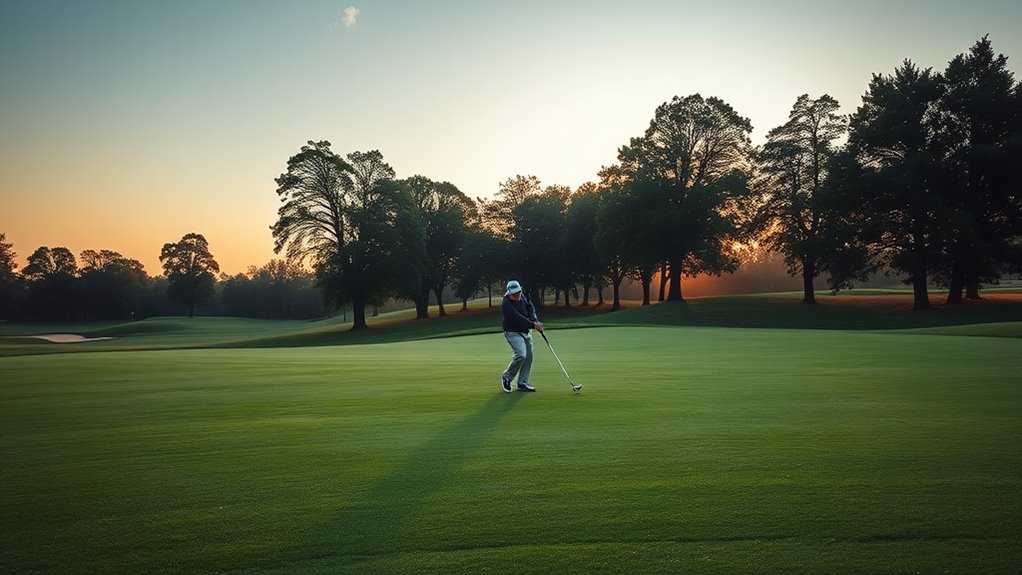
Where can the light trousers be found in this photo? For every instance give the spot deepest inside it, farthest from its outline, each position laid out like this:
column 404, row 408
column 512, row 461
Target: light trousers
column 521, row 361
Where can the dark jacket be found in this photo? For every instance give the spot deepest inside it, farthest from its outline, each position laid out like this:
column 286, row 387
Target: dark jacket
column 518, row 315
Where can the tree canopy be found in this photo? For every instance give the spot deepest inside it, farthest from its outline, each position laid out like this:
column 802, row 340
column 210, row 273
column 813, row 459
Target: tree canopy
column 191, row 270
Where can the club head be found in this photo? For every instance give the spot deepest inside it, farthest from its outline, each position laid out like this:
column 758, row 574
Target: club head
column 576, row 389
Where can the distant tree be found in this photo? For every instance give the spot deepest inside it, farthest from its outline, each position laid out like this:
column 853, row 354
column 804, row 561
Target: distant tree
column 110, row 285
column 276, row 290
column 51, row 276
column 46, row 263
column 498, row 214
column 538, row 226
column 793, row 164
column 354, row 222
column 577, row 243
column 617, row 243
column 976, row 125
column 564, row 271
column 609, row 247
column 155, row 300
column 8, row 277
column 285, row 291
column 190, row 269
column 483, row 263
column 888, row 187
column 240, row 296
column 445, row 213
column 694, row 156
column 632, row 227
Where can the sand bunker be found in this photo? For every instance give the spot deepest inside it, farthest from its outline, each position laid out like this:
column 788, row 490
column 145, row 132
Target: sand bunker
column 66, row 338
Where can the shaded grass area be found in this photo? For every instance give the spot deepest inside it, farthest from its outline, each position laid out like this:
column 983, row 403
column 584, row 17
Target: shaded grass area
column 695, row 450
column 864, row 310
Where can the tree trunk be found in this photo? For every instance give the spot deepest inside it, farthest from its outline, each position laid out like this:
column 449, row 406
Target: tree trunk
column 617, row 296
column 920, row 298
column 972, row 286
column 585, row 293
column 439, row 293
column 808, row 273
column 567, row 297
column 358, row 314
column 599, row 295
column 674, row 293
column 464, row 304
column 422, row 306
column 919, row 254
column 646, row 277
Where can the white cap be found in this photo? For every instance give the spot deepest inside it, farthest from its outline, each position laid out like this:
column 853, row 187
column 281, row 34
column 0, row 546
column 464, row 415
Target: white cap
column 512, row 287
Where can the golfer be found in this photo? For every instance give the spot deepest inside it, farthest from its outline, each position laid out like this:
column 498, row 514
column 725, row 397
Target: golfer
column 519, row 318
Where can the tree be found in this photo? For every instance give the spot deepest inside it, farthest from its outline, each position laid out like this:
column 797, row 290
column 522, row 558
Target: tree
column 8, row 277
column 577, row 244
column 276, row 290
column 51, row 276
column 190, row 269
column 613, row 238
column 239, row 296
column 354, row 222
column 632, row 227
column 793, row 164
column 445, row 211
column 624, row 240
column 538, row 226
column 286, row 291
column 890, row 185
column 693, row 157
column 975, row 124
column 498, row 214
column 111, row 285
column 483, row 263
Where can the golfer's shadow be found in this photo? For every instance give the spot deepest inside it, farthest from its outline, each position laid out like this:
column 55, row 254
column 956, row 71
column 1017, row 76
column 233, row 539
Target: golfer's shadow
column 375, row 524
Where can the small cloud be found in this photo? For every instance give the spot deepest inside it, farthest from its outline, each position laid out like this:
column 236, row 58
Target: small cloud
column 350, row 17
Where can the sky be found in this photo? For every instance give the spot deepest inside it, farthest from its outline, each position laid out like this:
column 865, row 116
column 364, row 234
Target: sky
column 126, row 124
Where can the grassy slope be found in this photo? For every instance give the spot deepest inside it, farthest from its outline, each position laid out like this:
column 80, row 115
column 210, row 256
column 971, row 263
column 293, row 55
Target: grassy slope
column 865, row 310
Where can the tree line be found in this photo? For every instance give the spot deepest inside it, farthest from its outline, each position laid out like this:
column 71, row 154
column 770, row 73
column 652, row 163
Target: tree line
column 919, row 182
column 105, row 285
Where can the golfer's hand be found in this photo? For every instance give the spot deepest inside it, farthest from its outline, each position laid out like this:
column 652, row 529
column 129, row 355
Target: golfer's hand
column 537, row 325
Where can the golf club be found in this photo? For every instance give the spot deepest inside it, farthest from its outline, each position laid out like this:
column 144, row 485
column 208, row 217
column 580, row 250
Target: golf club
column 575, row 388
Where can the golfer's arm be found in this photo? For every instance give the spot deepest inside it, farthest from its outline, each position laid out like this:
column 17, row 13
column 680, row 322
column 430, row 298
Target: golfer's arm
column 516, row 316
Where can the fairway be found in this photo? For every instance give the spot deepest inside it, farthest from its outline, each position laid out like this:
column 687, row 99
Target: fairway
column 691, row 450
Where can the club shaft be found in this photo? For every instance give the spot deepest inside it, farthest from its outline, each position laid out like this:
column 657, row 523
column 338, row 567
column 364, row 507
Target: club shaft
column 554, row 353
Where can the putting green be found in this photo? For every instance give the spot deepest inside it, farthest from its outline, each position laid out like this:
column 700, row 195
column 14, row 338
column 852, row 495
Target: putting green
column 696, row 450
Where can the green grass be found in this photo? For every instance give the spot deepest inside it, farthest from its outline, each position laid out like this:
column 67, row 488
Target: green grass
column 872, row 310
column 865, row 310
column 692, row 450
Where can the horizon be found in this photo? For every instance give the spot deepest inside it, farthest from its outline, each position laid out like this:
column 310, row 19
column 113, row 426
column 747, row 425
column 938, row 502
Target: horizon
column 129, row 125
